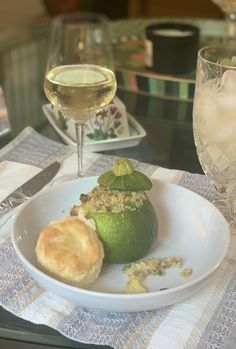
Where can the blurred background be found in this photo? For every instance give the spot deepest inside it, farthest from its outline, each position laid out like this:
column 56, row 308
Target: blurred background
column 13, row 12
column 24, row 33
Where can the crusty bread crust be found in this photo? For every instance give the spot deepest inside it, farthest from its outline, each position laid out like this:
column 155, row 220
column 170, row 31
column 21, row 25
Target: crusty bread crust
column 70, row 251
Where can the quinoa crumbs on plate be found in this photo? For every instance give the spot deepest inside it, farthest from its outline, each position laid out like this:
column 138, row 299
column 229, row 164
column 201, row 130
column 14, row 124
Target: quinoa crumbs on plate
column 139, row 270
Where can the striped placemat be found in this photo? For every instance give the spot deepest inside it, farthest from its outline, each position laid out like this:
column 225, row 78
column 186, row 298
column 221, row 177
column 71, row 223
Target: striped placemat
column 206, row 320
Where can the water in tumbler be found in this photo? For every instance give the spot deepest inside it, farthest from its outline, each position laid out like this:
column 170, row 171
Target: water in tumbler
column 214, row 126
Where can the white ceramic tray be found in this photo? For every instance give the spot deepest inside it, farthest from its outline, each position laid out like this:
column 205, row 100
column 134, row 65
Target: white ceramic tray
column 136, row 134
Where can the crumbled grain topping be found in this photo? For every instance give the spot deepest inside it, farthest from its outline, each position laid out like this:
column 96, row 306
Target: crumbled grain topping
column 151, row 266
column 105, row 200
column 186, row 273
column 139, row 270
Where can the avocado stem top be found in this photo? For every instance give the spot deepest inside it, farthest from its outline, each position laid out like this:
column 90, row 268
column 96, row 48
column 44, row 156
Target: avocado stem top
column 122, row 167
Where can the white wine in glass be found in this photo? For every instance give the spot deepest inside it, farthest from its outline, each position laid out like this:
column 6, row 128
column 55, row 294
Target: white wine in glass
column 79, row 79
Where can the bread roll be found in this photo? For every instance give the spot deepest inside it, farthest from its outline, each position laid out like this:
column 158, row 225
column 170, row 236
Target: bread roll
column 70, row 251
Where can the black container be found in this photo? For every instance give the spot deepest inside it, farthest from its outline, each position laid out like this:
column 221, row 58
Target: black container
column 171, row 48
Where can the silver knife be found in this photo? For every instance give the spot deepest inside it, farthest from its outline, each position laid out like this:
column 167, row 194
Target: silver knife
column 28, row 189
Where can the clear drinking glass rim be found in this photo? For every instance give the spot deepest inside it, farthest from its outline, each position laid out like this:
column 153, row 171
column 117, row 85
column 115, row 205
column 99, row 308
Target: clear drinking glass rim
column 81, row 15
column 199, row 55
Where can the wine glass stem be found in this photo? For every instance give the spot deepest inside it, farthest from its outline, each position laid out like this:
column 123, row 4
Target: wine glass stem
column 231, row 28
column 79, row 129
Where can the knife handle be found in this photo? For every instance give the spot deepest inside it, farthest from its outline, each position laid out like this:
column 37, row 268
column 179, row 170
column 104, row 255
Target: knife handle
column 12, row 201
column 5, row 206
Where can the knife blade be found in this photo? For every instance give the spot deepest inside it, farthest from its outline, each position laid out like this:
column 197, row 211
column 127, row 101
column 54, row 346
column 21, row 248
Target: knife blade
column 29, row 188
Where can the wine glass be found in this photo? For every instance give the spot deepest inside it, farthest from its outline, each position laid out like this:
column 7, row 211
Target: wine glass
column 228, row 7
column 79, row 77
column 214, row 119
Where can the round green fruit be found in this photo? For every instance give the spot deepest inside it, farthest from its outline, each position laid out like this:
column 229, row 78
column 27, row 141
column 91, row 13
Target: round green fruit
column 126, row 236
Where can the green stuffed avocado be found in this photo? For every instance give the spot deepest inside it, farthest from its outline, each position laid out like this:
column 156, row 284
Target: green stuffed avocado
column 125, row 219
column 126, row 236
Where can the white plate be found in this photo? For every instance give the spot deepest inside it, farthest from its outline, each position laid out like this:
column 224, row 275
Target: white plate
column 137, row 132
column 189, row 227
